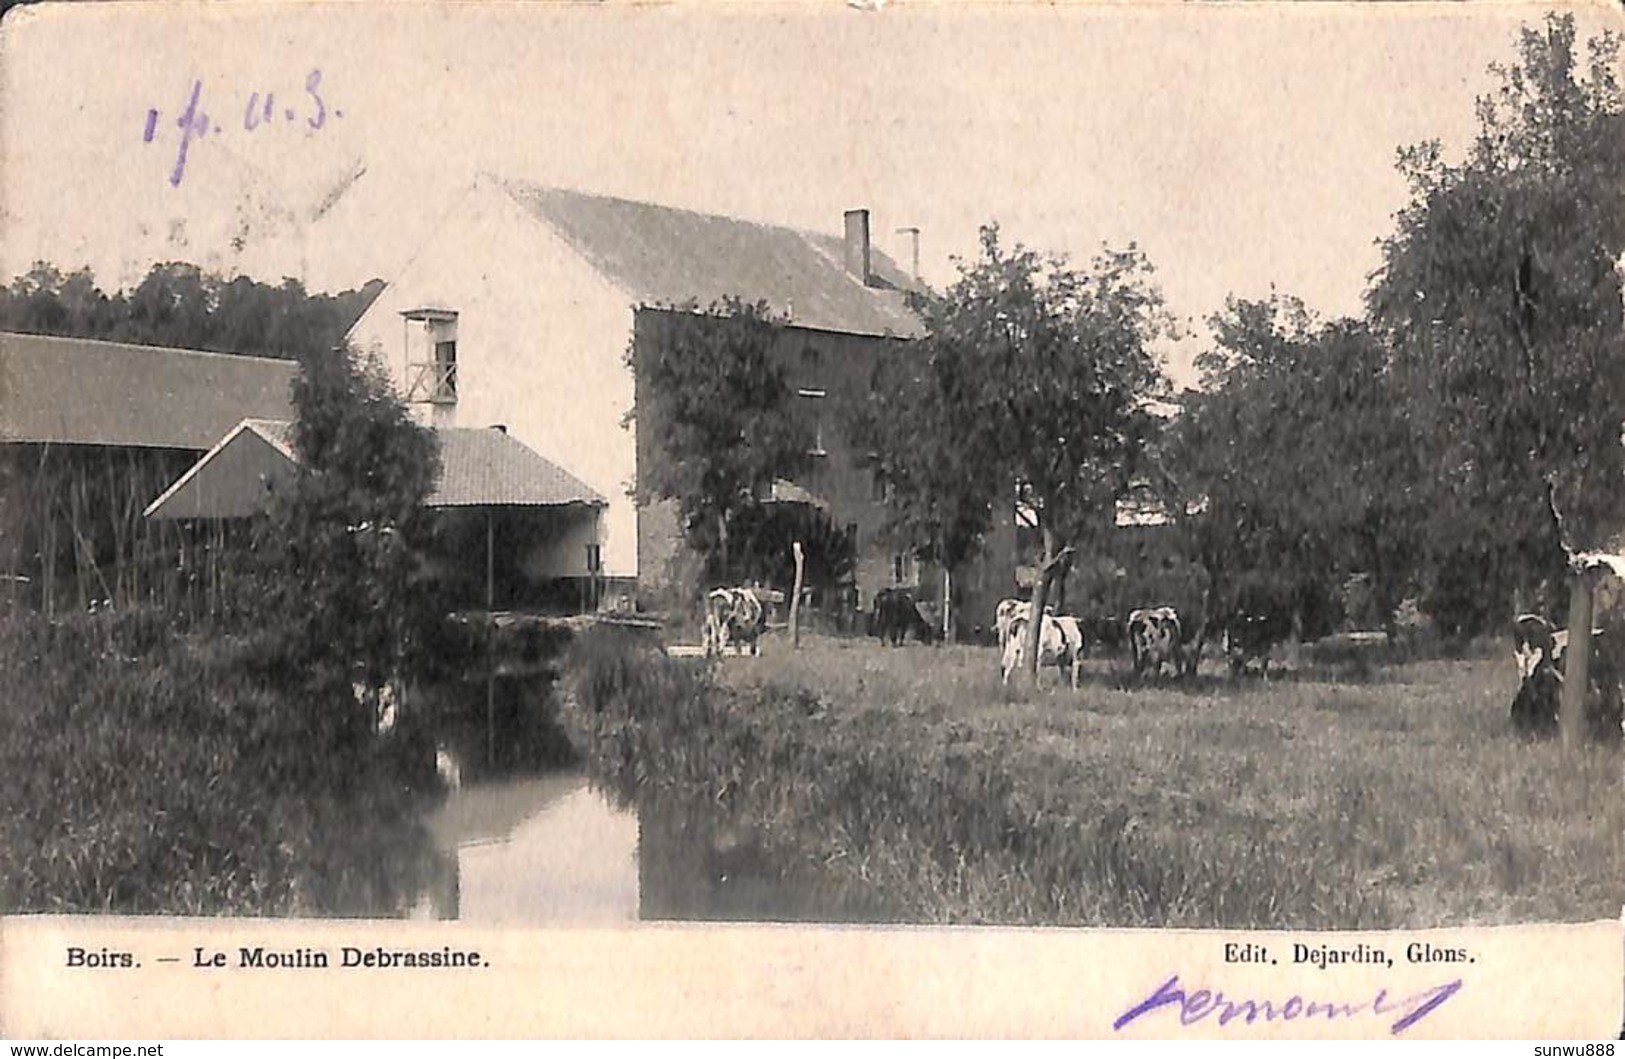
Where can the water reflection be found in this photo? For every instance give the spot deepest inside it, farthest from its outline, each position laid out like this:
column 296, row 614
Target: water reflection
column 536, row 850
column 551, row 850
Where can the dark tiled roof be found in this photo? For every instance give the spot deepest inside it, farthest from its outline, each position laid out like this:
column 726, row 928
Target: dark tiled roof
column 487, row 467
column 666, row 256
column 480, row 467
column 79, row 391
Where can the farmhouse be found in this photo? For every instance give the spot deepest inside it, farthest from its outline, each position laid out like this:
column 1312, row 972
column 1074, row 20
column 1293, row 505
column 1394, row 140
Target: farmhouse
column 89, row 432
column 522, row 308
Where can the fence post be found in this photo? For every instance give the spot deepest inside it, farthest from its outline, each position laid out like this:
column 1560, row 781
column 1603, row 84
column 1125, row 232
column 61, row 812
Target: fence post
column 795, row 598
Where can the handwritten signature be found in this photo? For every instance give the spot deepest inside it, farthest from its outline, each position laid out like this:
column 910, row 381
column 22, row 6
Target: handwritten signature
column 259, row 111
column 1196, row 1005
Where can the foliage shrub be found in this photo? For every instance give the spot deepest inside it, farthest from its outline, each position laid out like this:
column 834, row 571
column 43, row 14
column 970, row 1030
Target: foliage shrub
column 152, row 776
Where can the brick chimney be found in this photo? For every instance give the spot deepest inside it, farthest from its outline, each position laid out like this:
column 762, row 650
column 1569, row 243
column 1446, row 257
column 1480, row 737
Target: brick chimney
column 857, row 246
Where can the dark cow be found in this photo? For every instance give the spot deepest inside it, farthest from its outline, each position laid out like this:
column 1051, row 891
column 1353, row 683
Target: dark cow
column 1154, row 637
column 896, row 614
column 1249, row 636
column 733, row 615
column 1105, row 633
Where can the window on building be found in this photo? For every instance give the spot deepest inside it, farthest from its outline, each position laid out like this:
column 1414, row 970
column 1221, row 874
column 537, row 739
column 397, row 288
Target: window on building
column 431, row 355
column 815, row 414
column 852, row 535
column 879, row 487
column 595, row 558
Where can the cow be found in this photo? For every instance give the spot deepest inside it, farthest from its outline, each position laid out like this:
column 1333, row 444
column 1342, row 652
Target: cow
column 1105, row 633
column 733, row 615
column 1060, row 644
column 1540, row 651
column 896, row 614
column 1005, row 614
column 1154, row 637
column 1249, row 637
column 1533, row 639
column 1011, row 610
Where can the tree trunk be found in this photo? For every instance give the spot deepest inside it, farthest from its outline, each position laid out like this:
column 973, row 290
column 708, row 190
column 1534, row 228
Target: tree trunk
column 1041, row 585
column 947, row 604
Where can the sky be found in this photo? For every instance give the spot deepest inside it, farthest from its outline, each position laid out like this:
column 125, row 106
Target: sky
column 1240, row 146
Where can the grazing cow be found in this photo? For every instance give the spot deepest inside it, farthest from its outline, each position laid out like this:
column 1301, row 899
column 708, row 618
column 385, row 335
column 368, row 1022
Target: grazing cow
column 1154, row 637
column 1010, row 611
column 1006, row 614
column 733, row 615
column 1106, row 633
column 1060, row 644
column 1249, row 636
column 1540, row 651
column 896, row 614
column 1533, row 640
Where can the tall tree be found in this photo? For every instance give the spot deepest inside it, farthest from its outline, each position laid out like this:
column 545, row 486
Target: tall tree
column 1048, row 369
column 940, row 482
column 1300, row 451
column 1500, row 295
column 343, row 577
column 713, row 401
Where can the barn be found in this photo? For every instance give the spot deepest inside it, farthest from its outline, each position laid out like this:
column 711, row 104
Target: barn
column 90, row 431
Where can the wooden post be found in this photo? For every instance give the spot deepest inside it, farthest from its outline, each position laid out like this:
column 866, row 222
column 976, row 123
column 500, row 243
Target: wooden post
column 795, row 598
column 1577, row 662
column 947, row 604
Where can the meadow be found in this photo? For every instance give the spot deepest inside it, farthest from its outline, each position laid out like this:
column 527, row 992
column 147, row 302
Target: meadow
column 1357, row 796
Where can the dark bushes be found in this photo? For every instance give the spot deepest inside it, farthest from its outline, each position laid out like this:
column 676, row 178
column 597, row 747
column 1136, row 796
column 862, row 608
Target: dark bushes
column 145, row 774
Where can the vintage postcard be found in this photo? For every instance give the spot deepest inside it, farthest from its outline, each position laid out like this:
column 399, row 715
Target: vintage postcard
column 812, row 520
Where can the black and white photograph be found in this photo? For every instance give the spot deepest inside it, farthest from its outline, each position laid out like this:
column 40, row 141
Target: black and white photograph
column 523, row 467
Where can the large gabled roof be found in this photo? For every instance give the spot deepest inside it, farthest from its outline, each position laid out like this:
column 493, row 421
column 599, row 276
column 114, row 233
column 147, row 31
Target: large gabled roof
column 661, row 255
column 478, row 468
column 78, row 391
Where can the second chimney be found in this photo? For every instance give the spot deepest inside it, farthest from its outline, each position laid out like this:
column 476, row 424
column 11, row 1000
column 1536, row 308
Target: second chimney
column 857, row 245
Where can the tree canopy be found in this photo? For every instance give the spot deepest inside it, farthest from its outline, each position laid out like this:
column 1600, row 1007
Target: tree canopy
column 1298, row 454
column 713, row 402
column 1499, row 297
column 180, row 305
column 1033, row 383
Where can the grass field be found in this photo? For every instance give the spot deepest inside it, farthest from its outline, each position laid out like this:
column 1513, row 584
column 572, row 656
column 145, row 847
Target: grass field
column 1399, row 800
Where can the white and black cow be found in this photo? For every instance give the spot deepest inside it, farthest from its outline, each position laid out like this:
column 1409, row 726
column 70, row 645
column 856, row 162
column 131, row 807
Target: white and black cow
column 1005, row 616
column 1009, row 611
column 1154, row 638
column 733, row 615
column 1060, row 644
column 1540, row 651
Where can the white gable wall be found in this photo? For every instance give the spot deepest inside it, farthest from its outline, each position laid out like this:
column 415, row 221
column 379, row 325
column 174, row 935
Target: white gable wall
column 541, row 339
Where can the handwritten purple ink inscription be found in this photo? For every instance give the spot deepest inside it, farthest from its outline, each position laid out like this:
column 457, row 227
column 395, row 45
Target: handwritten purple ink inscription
column 310, row 112
column 1194, row 1006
